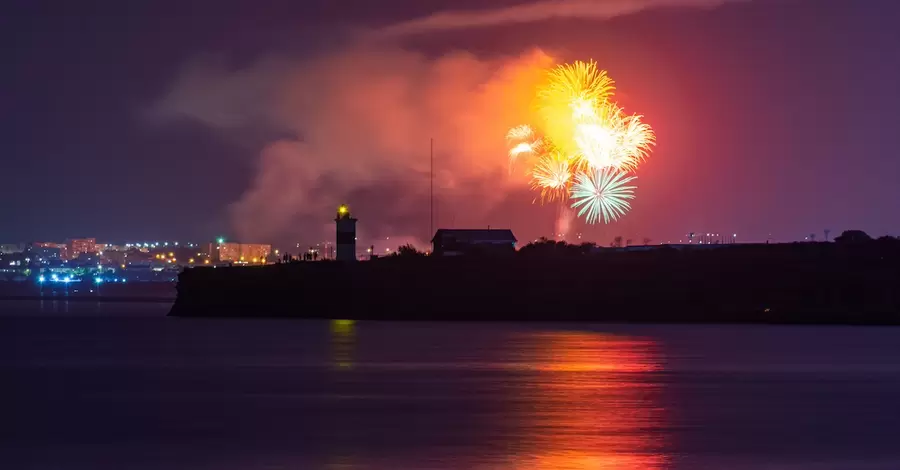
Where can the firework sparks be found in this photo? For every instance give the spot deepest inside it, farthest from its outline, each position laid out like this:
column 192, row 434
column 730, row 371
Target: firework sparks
column 552, row 175
column 602, row 193
column 522, row 147
column 523, row 142
column 577, row 88
column 613, row 139
column 520, row 133
column 587, row 144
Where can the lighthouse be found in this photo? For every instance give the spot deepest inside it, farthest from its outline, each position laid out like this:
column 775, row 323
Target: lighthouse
column 346, row 234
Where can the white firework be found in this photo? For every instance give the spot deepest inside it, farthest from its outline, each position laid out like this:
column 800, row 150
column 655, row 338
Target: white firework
column 602, row 193
column 552, row 174
column 519, row 133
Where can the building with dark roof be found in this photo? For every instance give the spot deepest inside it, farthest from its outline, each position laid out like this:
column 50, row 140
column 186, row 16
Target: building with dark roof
column 451, row 242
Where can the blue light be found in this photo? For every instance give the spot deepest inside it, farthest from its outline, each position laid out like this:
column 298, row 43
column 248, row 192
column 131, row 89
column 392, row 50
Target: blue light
column 98, row 280
column 41, row 279
column 67, row 279
column 54, row 278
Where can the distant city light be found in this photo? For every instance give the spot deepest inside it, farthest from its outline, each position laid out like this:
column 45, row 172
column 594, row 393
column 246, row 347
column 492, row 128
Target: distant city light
column 220, row 240
column 41, row 279
column 98, row 280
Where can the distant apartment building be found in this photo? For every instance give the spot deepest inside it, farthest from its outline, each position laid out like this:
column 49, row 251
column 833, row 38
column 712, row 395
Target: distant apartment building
column 79, row 246
column 9, row 248
column 237, row 252
column 51, row 250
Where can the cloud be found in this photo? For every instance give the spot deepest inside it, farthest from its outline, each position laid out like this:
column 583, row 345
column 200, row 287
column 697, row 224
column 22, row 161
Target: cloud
column 537, row 11
column 355, row 128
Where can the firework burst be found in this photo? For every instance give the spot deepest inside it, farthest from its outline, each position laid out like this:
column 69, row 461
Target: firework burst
column 610, row 138
column 587, row 145
column 523, row 142
column 602, row 194
column 552, row 175
column 576, row 88
column 520, row 133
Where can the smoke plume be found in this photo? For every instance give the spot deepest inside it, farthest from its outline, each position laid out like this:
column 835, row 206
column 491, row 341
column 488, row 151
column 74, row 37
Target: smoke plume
column 537, row 11
column 354, row 127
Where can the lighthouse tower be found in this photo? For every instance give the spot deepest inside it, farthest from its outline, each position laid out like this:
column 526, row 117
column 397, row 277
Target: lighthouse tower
column 346, row 234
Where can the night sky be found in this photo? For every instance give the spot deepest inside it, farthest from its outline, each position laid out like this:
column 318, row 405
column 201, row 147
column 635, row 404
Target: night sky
column 146, row 120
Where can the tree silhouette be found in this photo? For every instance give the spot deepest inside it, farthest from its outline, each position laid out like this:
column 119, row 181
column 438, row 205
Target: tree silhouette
column 852, row 236
column 617, row 242
column 827, row 231
column 554, row 249
column 408, row 251
column 647, row 241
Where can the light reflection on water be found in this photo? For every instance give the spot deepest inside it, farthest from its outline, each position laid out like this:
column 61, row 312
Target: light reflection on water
column 573, row 400
column 587, row 406
column 151, row 392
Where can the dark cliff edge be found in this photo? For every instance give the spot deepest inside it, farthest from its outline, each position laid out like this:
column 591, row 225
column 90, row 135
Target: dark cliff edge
column 808, row 283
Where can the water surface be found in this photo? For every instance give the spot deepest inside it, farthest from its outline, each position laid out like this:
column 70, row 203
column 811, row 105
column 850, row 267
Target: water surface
column 116, row 386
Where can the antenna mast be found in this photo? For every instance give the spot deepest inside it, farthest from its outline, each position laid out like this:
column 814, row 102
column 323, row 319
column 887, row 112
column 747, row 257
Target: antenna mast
column 431, row 227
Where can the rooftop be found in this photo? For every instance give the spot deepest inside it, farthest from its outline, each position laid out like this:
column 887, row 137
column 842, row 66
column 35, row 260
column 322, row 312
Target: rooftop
column 475, row 235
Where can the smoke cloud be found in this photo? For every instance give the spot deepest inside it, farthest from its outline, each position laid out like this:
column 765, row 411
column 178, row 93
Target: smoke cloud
column 354, row 127
column 537, row 11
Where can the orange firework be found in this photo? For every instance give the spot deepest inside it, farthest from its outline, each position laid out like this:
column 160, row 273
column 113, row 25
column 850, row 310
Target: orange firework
column 583, row 133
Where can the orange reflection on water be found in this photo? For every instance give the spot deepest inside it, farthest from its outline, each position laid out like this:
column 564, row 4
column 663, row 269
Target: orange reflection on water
column 589, row 403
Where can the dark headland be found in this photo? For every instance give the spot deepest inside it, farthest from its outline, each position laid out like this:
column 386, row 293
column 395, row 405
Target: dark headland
column 802, row 283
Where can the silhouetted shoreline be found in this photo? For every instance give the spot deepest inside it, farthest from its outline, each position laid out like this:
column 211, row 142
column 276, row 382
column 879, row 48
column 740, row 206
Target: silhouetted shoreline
column 800, row 283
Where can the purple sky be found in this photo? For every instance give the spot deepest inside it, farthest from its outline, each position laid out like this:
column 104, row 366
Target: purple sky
column 772, row 117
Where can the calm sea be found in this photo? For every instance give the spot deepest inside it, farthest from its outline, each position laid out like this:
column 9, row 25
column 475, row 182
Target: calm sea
column 120, row 386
